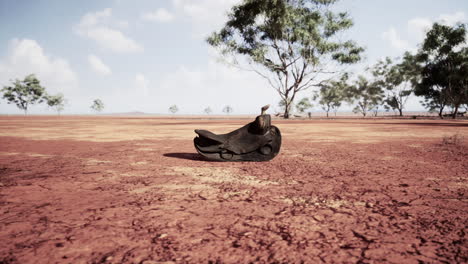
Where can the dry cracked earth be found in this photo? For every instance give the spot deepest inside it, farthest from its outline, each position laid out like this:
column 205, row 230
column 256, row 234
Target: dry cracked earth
column 133, row 190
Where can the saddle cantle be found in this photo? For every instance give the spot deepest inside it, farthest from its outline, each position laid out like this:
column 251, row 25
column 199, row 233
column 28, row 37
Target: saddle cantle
column 256, row 141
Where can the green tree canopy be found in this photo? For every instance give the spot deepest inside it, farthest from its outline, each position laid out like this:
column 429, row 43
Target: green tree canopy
column 228, row 109
column 97, row 105
column 303, row 105
column 397, row 77
column 443, row 59
column 25, row 92
column 173, row 109
column 294, row 44
column 332, row 93
column 56, row 101
column 207, row 110
column 367, row 94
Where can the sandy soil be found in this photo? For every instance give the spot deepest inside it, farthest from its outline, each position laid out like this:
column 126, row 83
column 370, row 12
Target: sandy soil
column 133, row 190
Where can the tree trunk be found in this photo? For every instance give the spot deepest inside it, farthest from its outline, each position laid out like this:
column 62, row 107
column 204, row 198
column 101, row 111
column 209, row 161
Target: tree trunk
column 327, row 114
column 401, row 111
column 440, row 113
column 363, row 109
column 288, row 103
column 455, row 112
column 286, row 111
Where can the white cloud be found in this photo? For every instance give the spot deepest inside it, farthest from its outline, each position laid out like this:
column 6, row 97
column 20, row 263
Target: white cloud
column 452, row 19
column 26, row 56
column 205, row 15
column 141, row 83
column 92, row 19
column 215, row 85
column 113, row 39
column 419, row 26
column 98, row 66
column 208, row 10
column 160, row 15
column 392, row 36
column 99, row 27
column 122, row 24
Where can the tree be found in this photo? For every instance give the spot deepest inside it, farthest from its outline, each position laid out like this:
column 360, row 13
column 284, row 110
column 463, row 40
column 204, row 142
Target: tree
column 291, row 43
column 173, row 109
column 97, row 105
column 56, row 101
column 282, row 105
column 24, row 93
column 303, row 105
column 331, row 94
column 207, row 110
column 227, row 109
column 368, row 95
column 397, row 79
column 443, row 58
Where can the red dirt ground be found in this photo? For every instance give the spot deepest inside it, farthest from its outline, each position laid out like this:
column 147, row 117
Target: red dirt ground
column 133, row 190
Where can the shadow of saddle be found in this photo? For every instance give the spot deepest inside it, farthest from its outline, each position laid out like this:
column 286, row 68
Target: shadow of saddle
column 256, row 141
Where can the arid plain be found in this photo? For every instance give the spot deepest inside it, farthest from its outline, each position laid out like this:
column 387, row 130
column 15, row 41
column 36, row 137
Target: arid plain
column 134, row 190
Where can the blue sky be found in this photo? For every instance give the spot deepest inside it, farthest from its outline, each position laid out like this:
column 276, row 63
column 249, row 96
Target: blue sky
column 148, row 55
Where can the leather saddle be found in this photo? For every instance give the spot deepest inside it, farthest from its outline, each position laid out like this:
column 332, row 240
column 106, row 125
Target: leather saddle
column 256, row 141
